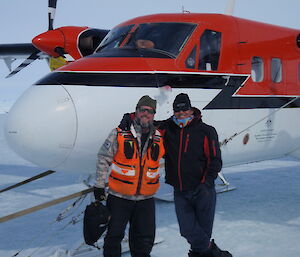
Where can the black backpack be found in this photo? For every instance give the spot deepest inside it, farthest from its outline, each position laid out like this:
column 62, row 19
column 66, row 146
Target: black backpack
column 96, row 216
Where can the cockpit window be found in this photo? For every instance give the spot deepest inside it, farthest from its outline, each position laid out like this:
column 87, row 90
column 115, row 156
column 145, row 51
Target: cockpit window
column 114, row 38
column 90, row 39
column 210, row 44
column 164, row 38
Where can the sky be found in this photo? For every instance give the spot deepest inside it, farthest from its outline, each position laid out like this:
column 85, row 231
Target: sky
column 21, row 20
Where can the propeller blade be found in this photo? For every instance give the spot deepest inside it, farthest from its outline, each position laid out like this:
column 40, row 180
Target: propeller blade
column 51, row 13
column 28, row 61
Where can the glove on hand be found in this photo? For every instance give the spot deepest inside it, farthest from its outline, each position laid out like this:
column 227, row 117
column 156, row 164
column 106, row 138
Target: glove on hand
column 99, row 194
column 126, row 122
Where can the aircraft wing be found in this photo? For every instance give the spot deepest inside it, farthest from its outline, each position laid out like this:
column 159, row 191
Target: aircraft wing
column 17, row 51
column 11, row 52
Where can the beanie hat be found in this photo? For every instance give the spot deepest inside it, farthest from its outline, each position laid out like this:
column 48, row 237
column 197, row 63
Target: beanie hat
column 146, row 101
column 182, row 103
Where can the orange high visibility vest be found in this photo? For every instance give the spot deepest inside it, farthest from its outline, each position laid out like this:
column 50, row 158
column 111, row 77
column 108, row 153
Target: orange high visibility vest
column 131, row 174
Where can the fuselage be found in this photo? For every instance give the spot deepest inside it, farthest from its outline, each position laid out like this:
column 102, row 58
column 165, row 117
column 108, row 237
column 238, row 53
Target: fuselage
column 242, row 75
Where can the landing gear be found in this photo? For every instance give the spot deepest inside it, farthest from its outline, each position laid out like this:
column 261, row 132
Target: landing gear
column 224, row 186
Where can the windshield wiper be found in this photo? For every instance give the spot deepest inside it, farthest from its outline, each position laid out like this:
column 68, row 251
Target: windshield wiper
column 155, row 50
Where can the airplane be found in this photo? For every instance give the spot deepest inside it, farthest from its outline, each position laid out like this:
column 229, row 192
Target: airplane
column 243, row 75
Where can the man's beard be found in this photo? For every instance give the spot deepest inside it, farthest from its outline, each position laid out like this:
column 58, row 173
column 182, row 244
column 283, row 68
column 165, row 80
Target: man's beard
column 144, row 125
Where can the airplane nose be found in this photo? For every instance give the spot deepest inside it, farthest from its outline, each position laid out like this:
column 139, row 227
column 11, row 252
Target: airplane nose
column 42, row 125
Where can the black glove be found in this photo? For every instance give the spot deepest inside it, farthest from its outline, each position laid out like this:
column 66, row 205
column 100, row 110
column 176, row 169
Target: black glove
column 126, row 122
column 99, row 194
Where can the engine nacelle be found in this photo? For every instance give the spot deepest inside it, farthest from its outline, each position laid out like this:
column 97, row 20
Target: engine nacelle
column 75, row 41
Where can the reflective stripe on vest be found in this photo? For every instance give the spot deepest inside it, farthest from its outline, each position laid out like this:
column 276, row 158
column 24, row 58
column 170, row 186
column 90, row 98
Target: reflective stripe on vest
column 123, row 171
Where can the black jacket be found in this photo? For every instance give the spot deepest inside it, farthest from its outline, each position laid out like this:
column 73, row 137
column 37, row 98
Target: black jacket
column 193, row 154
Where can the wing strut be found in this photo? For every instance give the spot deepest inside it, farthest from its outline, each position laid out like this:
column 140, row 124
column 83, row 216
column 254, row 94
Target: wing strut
column 41, row 175
column 45, row 205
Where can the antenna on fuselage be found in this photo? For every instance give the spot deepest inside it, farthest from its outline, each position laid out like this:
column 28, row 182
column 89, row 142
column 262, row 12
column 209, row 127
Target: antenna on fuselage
column 230, row 7
column 184, row 11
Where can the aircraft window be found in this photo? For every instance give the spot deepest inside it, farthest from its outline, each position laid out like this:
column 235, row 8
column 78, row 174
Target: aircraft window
column 210, row 44
column 89, row 40
column 162, row 39
column 165, row 38
column 298, row 40
column 114, row 37
column 257, row 69
column 276, row 70
column 191, row 60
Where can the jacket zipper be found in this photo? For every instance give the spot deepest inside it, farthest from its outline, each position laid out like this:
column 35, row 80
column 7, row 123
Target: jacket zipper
column 140, row 178
column 179, row 159
column 207, row 154
column 186, row 142
column 141, row 170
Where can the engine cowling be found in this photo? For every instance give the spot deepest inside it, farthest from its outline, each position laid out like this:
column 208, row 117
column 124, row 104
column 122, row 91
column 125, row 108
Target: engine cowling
column 75, row 41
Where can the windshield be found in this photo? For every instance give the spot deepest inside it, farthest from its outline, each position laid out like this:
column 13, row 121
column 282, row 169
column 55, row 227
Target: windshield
column 114, row 38
column 165, row 38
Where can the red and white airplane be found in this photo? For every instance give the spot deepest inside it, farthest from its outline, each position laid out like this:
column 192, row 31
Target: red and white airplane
column 244, row 76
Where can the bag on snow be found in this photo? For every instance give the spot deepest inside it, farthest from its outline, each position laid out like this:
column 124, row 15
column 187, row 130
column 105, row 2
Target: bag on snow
column 96, row 216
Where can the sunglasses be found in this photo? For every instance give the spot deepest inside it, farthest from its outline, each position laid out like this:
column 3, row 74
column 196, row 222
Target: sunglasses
column 184, row 109
column 150, row 111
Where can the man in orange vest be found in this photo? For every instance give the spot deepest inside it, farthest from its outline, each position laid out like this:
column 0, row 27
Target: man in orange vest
column 133, row 157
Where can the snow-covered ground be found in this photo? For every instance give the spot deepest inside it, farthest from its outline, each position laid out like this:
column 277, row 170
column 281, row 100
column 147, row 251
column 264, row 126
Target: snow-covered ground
column 259, row 219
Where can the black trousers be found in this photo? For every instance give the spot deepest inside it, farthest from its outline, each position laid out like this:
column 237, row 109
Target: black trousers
column 195, row 213
column 141, row 217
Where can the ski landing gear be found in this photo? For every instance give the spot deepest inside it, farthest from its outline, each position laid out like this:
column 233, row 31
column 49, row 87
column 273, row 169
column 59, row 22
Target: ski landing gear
column 84, row 250
column 224, row 186
column 165, row 192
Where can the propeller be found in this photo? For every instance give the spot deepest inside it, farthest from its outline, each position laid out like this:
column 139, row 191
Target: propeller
column 36, row 54
column 51, row 13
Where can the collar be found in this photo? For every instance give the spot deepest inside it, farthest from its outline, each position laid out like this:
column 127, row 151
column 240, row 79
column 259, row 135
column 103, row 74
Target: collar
column 182, row 122
column 136, row 130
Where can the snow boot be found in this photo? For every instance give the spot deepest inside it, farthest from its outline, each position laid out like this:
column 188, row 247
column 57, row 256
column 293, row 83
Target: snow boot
column 217, row 252
column 195, row 254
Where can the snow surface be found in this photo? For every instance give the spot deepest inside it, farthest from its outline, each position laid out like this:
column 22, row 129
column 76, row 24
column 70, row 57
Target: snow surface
column 259, row 219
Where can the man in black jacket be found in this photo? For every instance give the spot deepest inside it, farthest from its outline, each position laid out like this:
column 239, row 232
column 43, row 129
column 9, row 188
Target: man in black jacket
column 192, row 163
